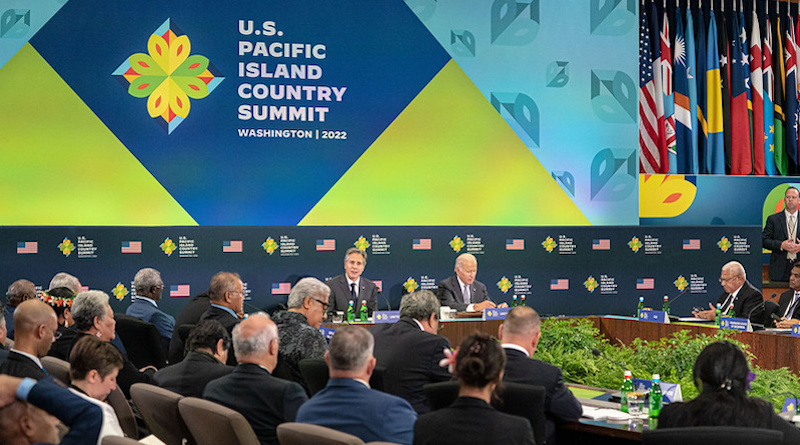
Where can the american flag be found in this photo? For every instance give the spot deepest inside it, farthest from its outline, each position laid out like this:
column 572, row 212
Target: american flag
column 326, row 244
column 27, row 247
column 559, row 284
column 601, row 244
column 421, row 244
column 645, row 283
column 281, row 288
column 378, row 284
column 515, row 244
column 179, row 290
column 691, row 244
column 131, row 247
column 651, row 114
column 232, row 246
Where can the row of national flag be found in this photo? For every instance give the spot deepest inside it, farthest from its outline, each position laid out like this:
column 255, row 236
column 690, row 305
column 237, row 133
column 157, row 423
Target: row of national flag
column 718, row 98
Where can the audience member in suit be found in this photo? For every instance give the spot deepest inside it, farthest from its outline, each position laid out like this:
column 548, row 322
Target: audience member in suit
column 93, row 316
column 265, row 401
column 520, row 334
column 410, row 349
column 226, row 295
column 93, row 369
column 479, row 366
column 351, row 286
column 298, row 328
column 208, row 344
column 190, row 314
column 19, row 291
column 739, row 292
column 348, row 404
column 720, row 373
column 27, row 408
column 452, row 290
column 789, row 303
column 3, row 350
column 144, row 306
column 36, row 329
column 782, row 238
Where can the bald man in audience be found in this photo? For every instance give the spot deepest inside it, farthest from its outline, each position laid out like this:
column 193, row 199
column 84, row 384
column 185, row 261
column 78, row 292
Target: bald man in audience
column 36, row 328
column 19, row 291
column 265, row 401
column 226, row 295
column 520, row 334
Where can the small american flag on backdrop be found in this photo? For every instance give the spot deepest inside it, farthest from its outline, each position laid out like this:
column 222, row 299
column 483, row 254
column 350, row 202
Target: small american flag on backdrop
column 691, row 244
column 281, row 288
column 559, row 284
column 601, row 244
column 645, row 283
column 234, row 246
column 131, row 247
column 515, row 244
column 326, row 244
column 179, row 290
column 378, row 284
column 27, row 247
column 421, row 244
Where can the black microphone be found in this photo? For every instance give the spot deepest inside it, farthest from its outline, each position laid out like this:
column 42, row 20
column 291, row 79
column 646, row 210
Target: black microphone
column 757, row 326
column 671, row 300
column 388, row 305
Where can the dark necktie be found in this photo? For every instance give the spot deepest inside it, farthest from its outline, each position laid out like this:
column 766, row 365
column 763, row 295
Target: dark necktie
column 353, row 293
column 792, row 306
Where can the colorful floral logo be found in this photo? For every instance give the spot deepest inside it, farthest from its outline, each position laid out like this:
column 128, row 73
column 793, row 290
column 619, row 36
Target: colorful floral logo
column 168, row 246
column 168, row 76
column 456, row 243
column 590, row 284
column 66, row 247
column 504, row 285
column 270, row 246
column 724, row 244
column 635, row 244
column 361, row 243
column 410, row 285
column 549, row 244
column 680, row 283
column 119, row 291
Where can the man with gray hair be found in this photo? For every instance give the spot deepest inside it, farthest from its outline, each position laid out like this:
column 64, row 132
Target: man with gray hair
column 298, row 327
column 463, row 292
column 410, row 349
column 19, row 291
column 63, row 279
column 348, row 404
column 265, row 401
column 520, row 334
column 351, row 286
column 148, row 286
column 739, row 298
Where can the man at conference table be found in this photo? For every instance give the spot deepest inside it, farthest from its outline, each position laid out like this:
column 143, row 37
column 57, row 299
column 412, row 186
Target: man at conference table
column 789, row 305
column 739, row 294
column 463, row 292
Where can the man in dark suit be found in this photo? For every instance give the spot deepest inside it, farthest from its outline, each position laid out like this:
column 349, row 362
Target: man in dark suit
column 226, row 295
column 738, row 293
column 789, row 303
column 410, row 349
column 520, row 334
column 462, row 292
column 36, row 328
column 351, row 286
column 209, row 343
column 348, row 404
column 265, row 401
column 148, row 285
column 190, row 314
column 19, row 291
column 781, row 237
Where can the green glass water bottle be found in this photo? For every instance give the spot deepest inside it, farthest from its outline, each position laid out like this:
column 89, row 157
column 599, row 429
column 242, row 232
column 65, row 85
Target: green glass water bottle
column 627, row 386
column 641, row 306
column 351, row 313
column 665, row 307
column 364, row 311
column 514, row 301
column 718, row 314
column 655, row 396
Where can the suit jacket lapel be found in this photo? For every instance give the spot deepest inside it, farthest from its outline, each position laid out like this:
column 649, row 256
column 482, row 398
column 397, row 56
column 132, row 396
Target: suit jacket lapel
column 458, row 293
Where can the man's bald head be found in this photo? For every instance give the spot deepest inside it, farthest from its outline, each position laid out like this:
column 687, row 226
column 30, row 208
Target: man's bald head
column 19, row 291
column 23, row 424
column 522, row 327
column 255, row 340
column 35, row 324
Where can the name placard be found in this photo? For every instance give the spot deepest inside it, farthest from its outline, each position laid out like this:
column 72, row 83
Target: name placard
column 796, row 330
column 386, row 316
column 495, row 313
column 327, row 332
column 736, row 324
column 653, row 316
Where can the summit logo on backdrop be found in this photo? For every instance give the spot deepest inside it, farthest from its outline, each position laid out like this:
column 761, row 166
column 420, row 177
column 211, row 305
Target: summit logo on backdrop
column 168, row 76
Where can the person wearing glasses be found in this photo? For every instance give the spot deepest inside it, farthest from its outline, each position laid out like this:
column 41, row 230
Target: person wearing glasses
column 298, row 328
column 410, row 349
column 144, row 305
column 739, row 297
column 226, row 295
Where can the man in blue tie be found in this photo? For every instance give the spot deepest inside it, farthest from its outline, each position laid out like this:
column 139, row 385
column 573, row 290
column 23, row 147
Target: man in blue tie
column 36, row 326
column 789, row 305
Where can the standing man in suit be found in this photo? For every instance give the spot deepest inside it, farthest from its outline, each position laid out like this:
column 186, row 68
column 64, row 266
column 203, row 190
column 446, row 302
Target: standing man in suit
column 148, row 286
column 226, row 295
column 781, row 237
column 348, row 404
column 351, row 286
column 462, row 292
column 410, row 349
column 265, row 401
column 738, row 293
column 36, row 329
column 789, row 303
column 520, row 334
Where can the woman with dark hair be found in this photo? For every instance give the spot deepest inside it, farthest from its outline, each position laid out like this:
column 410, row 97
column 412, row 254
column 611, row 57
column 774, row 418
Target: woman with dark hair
column 720, row 373
column 471, row 419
